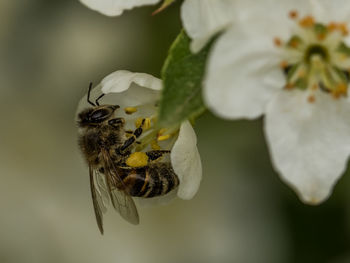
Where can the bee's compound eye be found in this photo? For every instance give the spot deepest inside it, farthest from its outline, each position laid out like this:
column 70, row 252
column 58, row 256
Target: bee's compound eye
column 99, row 115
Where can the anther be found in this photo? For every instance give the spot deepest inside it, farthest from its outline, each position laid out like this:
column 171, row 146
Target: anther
column 343, row 29
column 289, row 86
column 277, row 41
column 293, row 14
column 284, row 64
column 130, row 110
column 144, row 123
column 311, row 99
column 147, row 124
column 163, row 137
column 321, row 36
column 332, row 26
column 340, row 90
column 307, row 21
column 294, row 43
column 138, row 122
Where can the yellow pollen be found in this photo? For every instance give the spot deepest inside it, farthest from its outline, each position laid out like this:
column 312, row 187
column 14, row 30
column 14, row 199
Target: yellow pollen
column 138, row 122
column 294, row 43
column 307, row 21
column 130, row 110
column 340, row 90
column 277, row 41
column 163, row 137
column 311, row 99
column 332, row 26
column 321, row 36
column 137, row 159
column 284, row 64
column 293, row 14
column 289, row 86
column 343, row 29
column 155, row 145
column 314, row 87
column 147, row 124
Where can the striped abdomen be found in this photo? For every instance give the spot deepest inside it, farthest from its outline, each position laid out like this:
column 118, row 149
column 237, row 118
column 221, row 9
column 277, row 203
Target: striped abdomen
column 149, row 181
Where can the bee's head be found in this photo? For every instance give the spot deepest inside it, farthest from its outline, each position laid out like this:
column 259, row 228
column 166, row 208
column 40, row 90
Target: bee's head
column 96, row 115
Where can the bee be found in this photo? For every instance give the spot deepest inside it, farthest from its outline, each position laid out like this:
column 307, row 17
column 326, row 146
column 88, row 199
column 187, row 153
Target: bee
column 108, row 148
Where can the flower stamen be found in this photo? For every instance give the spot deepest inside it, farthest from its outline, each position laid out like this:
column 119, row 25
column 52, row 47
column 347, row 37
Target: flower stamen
column 307, row 21
column 293, row 14
column 277, row 41
column 317, row 57
column 311, row 99
column 130, row 110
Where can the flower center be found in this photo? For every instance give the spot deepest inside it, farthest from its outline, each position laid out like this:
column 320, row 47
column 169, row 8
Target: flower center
column 316, row 49
column 316, row 57
column 152, row 138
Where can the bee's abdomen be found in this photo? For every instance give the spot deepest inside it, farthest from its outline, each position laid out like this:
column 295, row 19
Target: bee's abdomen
column 150, row 181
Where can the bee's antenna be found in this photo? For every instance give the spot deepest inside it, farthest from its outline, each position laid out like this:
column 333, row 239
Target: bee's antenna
column 96, row 101
column 88, row 97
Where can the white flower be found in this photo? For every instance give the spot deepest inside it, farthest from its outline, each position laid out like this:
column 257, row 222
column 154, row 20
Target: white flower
column 202, row 19
column 137, row 95
column 290, row 61
column 115, row 7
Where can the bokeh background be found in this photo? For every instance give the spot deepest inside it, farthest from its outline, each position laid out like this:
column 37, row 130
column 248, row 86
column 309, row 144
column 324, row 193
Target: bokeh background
column 50, row 51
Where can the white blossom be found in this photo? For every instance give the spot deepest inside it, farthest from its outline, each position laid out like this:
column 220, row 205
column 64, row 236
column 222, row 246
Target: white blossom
column 287, row 60
column 141, row 92
column 115, row 7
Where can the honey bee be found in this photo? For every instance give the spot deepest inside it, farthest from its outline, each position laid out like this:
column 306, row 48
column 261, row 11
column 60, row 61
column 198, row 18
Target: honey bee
column 108, row 148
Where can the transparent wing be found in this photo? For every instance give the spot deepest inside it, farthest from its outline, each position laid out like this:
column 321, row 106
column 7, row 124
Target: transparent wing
column 97, row 200
column 124, row 204
column 121, row 201
column 102, row 189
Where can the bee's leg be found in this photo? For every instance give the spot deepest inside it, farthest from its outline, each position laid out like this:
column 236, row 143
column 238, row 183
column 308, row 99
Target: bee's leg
column 156, row 154
column 117, row 122
column 137, row 133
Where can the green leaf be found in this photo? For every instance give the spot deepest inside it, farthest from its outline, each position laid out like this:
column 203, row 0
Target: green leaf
column 182, row 76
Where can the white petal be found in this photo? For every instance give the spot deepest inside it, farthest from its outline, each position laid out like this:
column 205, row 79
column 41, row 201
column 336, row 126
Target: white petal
column 309, row 142
column 121, row 80
column 243, row 73
column 331, row 10
column 127, row 89
column 202, row 19
column 115, row 7
column 347, row 40
column 270, row 16
column 186, row 161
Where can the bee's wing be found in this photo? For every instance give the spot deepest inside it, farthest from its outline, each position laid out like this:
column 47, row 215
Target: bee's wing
column 97, row 197
column 102, row 189
column 124, row 204
column 121, row 201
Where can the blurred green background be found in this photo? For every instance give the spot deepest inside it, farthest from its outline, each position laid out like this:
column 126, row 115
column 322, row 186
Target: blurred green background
column 50, row 51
